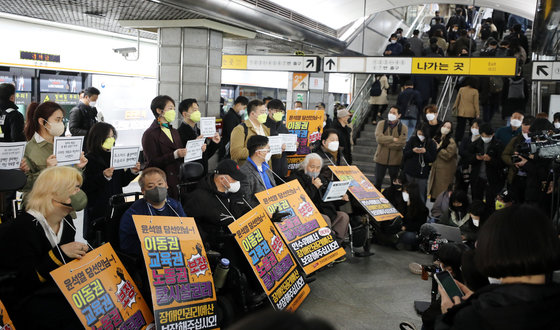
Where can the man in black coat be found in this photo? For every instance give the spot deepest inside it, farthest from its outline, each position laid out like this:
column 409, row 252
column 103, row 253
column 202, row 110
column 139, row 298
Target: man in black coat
column 11, row 120
column 232, row 118
column 344, row 133
column 84, row 115
column 274, row 121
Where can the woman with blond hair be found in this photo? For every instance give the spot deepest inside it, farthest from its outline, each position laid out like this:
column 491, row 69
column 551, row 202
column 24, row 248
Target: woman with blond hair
column 41, row 240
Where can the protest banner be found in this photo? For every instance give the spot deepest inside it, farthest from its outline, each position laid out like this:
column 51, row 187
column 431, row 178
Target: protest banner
column 304, row 230
column 366, row 193
column 194, row 150
column 5, row 321
column 269, row 258
column 11, row 154
column 102, row 293
column 124, row 157
column 68, row 150
column 291, row 141
column 336, row 190
column 180, row 278
column 208, row 126
column 308, row 126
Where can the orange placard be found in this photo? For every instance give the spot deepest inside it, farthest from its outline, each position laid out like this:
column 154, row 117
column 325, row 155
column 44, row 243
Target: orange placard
column 102, row 293
column 271, row 261
column 178, row 271
column 305, row 231
column 308, row 126
column 369, row 197
column 5, row 322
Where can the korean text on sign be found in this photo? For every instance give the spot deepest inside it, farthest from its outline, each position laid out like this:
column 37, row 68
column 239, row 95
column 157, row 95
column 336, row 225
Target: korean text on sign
column 68, row 150
column 11, row 154
column 124, row 157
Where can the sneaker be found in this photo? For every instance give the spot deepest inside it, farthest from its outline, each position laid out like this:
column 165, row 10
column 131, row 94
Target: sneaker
column 407, row 326
column 339, row 260
column 415, row 268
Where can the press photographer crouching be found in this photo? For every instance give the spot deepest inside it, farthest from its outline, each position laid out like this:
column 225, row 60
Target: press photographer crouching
column 518, row 246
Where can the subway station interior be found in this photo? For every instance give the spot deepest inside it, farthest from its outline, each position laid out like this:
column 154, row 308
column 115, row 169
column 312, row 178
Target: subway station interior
column 443, row 120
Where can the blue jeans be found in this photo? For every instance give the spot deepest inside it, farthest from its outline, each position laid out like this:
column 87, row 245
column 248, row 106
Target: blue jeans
column 411, row 124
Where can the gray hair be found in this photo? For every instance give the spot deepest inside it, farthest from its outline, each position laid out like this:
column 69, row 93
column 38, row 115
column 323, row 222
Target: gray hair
column 308, row 158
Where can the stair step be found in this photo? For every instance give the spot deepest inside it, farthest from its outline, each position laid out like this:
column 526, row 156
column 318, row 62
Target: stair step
column 368, row 167
column 362, row 157
column 359, row 149
column 366, row 142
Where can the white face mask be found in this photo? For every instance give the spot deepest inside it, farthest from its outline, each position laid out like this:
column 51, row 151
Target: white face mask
column 92, row 103
column 333, row 146
column 444, row 130
column 405, row 196
column 476, row 222
column 486, row 139
column 56, row 129
column 267, row 157
column 515, row 122
column 475, row 131
column 392, row 117
column 393, row 41
column 526, row 136
column 421, row 137
column 430, row 116
column 234, row 187
column 557, row 125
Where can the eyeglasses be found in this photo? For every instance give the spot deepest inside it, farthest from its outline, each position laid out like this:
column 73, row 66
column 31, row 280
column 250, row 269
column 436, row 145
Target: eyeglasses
column 265, row 150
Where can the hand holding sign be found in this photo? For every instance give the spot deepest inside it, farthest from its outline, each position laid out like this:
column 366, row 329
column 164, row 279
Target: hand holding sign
column 208, row 126
column 194, row 150
column 11, row 155
column 124, row 157
column 290, row 140
column 68, row 151
column 51, row 161
column 275, row 143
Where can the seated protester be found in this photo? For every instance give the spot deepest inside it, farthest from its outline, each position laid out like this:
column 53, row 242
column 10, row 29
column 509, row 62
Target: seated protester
column 40, row 240
column 217, row 202
column 274, row 122
column 101, row 181
column 308, row 177
column 189, row 130
column 330, row 152
column 156, row 202
column 522, row 260
column 466, row 158
column 394, row 194
column 419, row 152
column 487, row 166
column 513, row 129
column 431, row 119
column 503, row 200
column 458, row 214
column 469, row 231
column 258, row 176
column 391, row 137
column 162, row 143
column 556, row 120
column 441, row 205
column 415, row 215
column 44, row 124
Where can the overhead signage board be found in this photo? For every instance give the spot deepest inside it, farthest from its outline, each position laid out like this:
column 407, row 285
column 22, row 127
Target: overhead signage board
column 464, row 66
column 300, row 81
column 271, row 63
column 546, row 70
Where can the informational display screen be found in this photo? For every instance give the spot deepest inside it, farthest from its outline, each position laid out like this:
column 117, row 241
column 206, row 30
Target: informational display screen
column 22, row 83
column 60, row 84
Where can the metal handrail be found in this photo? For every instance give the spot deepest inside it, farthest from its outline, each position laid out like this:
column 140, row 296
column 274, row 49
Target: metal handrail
column 448, row 90
column 360, row 103
column 419, row 18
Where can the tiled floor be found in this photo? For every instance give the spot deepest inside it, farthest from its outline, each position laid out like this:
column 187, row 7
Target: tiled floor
column 369, row 293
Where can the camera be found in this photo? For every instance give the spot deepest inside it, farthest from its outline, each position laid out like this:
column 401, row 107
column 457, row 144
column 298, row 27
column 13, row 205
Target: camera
column 125, row 51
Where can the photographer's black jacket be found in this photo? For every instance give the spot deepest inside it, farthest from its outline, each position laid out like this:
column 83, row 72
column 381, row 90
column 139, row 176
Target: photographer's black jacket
column 494, row 167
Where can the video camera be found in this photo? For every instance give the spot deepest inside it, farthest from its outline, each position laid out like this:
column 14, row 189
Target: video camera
column 544, row 144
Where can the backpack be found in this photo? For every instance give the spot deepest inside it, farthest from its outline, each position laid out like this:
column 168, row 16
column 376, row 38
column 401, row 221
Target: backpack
column 485, row 32
column 411, row 110
column 496, row 85
column 245, row 130
column 375, row 88
column 516, row 89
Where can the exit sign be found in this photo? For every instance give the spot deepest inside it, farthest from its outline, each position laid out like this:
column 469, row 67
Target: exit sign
column 34, row 56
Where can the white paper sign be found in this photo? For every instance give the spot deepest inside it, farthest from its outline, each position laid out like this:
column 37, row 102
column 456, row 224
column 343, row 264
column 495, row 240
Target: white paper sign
column 275, row 143
column 11, row 154
column 291, row 142
column 124, row 157
column 208, row 126
column 336, row 190
column 194, row 150
column 68, row 149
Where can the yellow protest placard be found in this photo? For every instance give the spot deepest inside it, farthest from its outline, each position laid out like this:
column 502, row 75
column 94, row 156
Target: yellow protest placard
column 304, row 230
column 369, row 197
column 234, row 62
column 308, row 126
column 270, row 259
column 6, row 322
column 102, row 293
column 178, row 271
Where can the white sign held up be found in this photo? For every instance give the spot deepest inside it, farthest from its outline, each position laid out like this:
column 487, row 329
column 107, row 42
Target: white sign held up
column 208, row 126
column 336, row 190
column 194, row 150
column 11, row 154
column 68, row 150
column 275, row 143
column 124, row 157
column 291, row 142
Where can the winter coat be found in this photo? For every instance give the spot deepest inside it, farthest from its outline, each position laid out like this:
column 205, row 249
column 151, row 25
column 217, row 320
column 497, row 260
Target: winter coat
column 230, row 121
column 188, row 133
column 419, row 165
column 253, row 183
column 82, row 118
column 326, row 208
column 238, row 142
column 467, row 103
column 12, row 125
column 345, row 139
column 518, row 104
column 494, row 167
column 412, row 97
column 396, row 49
column 443, row 169
column 416, row 46
column 381, row 99
column 388, row 151
column 279, row 164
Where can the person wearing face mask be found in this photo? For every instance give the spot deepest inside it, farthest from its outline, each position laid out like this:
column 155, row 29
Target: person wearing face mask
column 393, row 49
column 189, row 130
column 469, row 231
column 258, row 176
column 443, row 168
column 162, row 143
column 419, row 152
column 378, row 97
column 414, row 216
column 391, row 138
column 274, row 121
column 232, row 118
column 84, row 115
column 458, row 213
column 556, row 121
column 330, row 152
column 487, row 177
column 327, row 121
column 155, row 202
column 457, row 21
column 466, row 157
column 39, row 241
column 43, row 125
column 513, row 129
column 410, row 102
column 254, row 125
column 217, row 202
column 431, row 119
column 344, row 133
column 11, row 120
column 101, row 181
column 308, row 176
